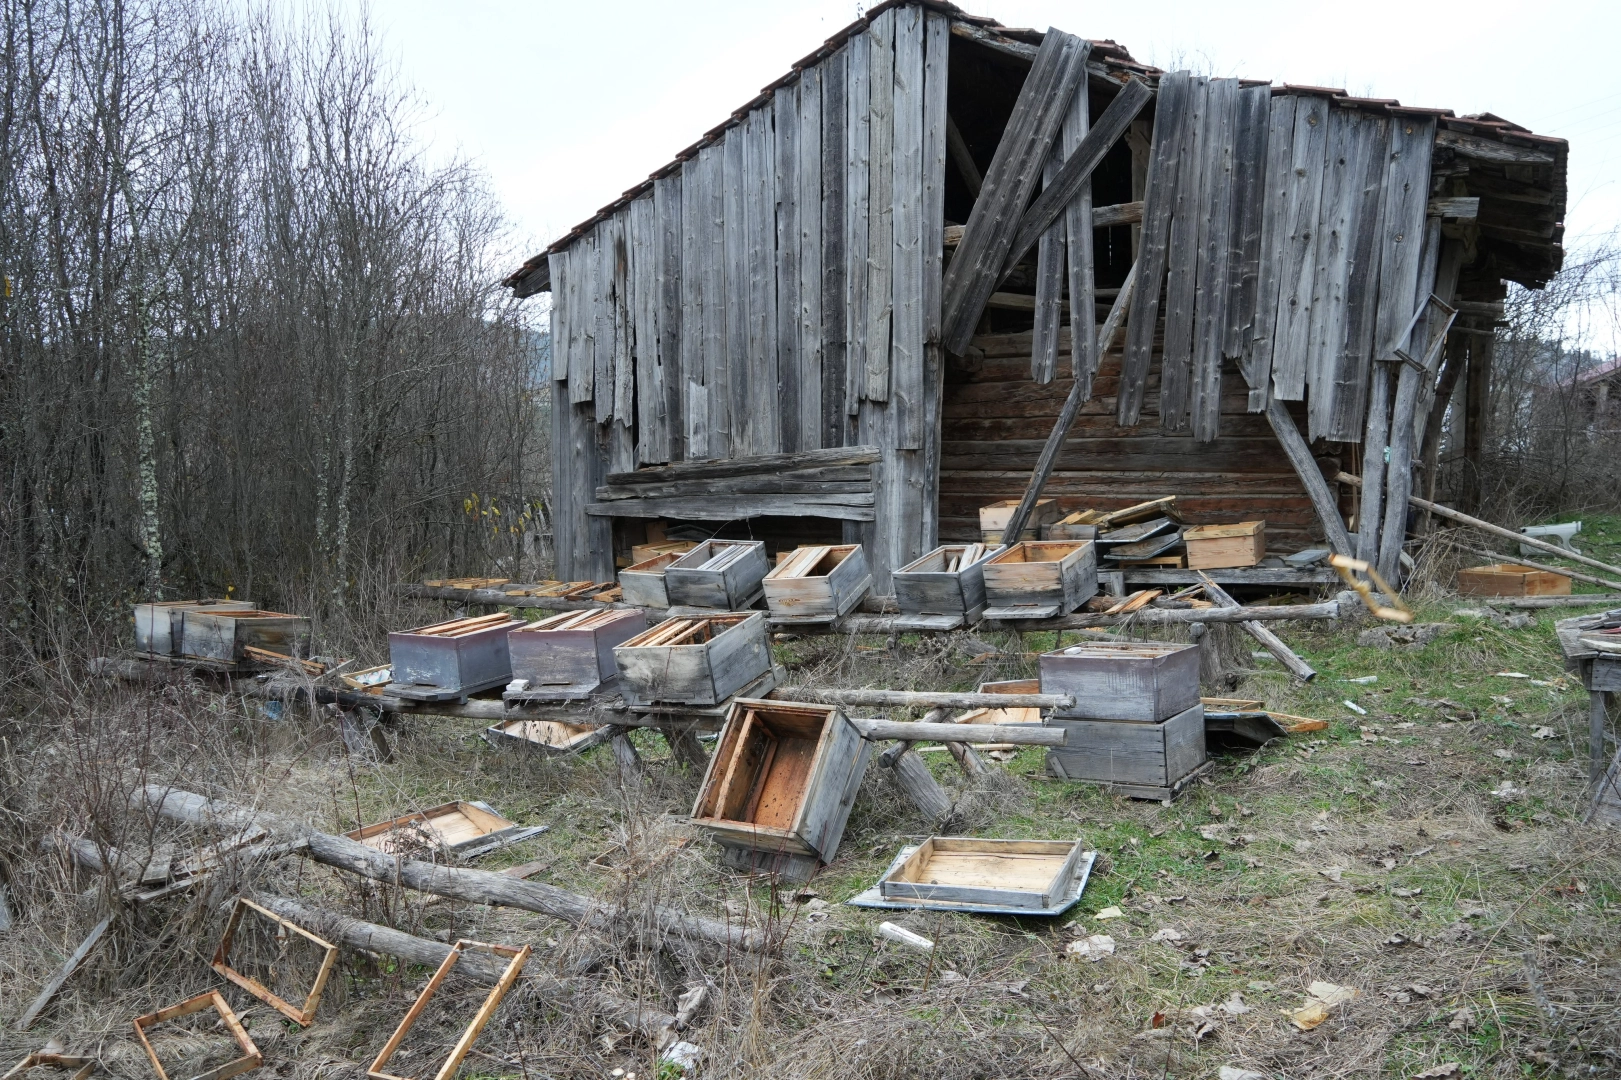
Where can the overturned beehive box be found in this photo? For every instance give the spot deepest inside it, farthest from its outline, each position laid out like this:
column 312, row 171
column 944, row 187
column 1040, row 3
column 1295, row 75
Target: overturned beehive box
column 158, row 625
column 451, row 659
column 223, row 634
column 782, row 779
column 568, row 655
column 1025, row 874
column 817, row 584
column 1038, row 580
column 944, row 589
column 1144, row 681
column 725, row 575
column 1142, row 761
column 552, row 737
column 694, row 661
column 642, row 583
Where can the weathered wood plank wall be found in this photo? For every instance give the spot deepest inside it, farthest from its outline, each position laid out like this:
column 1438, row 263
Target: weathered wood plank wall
column 777, row 290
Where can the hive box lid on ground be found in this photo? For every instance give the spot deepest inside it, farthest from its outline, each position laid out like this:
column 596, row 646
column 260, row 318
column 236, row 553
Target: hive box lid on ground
column 1216, row 547
column 721, row 574
column 946, row 584
column 1144, row 681
column 158, row 625
column 462, row 827
column 783, row 778
column 221, row 634
column 642, row 582
column 1009, row 873
column 571, row 650
column 1147, row 761
column 1510, row 579
column 461, row 656
column 1040, row 579
column 817, row 583
column 874, row 897
column 993, row 519
column 695, row 661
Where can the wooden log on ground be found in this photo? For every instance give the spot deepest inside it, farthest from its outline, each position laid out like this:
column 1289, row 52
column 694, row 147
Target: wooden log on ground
column 1531, row 603
column 480, row 967
column 472, row 886
column 500, row 599
column 1496, row 530
column 1274, row 644
column 912, row 775
column 625, row 755
column 928, row 699
column 918, row 731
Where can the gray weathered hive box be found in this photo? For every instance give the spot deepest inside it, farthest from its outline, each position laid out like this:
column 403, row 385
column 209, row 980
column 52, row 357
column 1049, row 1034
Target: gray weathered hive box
column 1145, row 761
column 1030, row 874
column 818, row 583
column 1040, row 579
column 459, row 657
column 720, row 574
column 573, row 650
column 783, row 778
column 693, row 661
column 158, row 626
column 220, row 634
column 642, row 583
column 1136, row 680
column 944, row 589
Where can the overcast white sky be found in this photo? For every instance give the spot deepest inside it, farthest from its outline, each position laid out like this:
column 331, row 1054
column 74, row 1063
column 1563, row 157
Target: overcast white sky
column 566, row 104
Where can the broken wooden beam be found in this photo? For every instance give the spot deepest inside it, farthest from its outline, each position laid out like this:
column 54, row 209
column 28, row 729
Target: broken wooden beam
column 472, row 886
column 1274, row 644
column 1299, row 454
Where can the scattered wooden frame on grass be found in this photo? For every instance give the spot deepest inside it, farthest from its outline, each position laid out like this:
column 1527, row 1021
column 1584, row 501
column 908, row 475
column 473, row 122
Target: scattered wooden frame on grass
column 84, row 1065
column 520, row 956
column 221, row 963
column 251, row 1057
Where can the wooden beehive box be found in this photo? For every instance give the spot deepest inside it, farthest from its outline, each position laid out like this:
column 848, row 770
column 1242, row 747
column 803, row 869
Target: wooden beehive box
column 783, row 778
column 1510, row 579
column 721, row 574
column 1037, row 580
column 1032, row 874
column 1143, row 681
column 944, row 589
column 642, row 583
column 452, row 659
column 158, row 626
column 544, row 736
column 993, row 519
column 1145, row 761
column 1215, row 547
column 1020, row 715
column 571, row 653
column 454, row 826
column 221, row 634
column 817, row 584
column 1081, row 525
column 694, row 661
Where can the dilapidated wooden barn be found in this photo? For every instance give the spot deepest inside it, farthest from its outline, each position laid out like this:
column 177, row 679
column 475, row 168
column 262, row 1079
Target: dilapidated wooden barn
column 862, row 306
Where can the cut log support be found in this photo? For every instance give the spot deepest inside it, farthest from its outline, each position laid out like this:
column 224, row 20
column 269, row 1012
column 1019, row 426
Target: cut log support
column 480, row 967
column 918, row 731
column 472, row 886
column 1274, row 644
column 912, row 775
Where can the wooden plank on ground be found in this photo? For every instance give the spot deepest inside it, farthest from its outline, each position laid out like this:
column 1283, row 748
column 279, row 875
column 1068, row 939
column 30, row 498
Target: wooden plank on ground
column 63, row 974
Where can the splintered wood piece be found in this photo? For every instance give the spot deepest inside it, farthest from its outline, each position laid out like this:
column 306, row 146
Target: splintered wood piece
column 63, row 973
column 251, row 1058
column 1133, row 602
column 1297, row 725
column 482, row 1017
column 302, row 1016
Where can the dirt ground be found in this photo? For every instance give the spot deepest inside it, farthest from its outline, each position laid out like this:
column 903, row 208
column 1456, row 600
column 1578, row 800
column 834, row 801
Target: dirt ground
column 1427, row 852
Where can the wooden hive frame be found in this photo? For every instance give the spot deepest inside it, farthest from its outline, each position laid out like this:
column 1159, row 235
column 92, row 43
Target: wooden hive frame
column 84, row 1065
column 519, row 957
column 251, row 1057
column 302, row 1016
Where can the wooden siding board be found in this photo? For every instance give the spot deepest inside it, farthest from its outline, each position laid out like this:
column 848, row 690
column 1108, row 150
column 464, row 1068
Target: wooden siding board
column 583, row 320
column 761, row 419
column 786, row 132
column 1078, row 242
column 1249, row 189
column 1049, row 285
column 604, row 305
column 1215, row 250
column 738, row 360
column 1297, row 275
column 1333, row 266
column 808, row 196
column 1181, row 281
column 1352, row 364
column 835, row 154
column 1159, row 203
column 909, row 225
column 936, row 69
column 694, row 247
column 858, row 200
column 557, row 326
column 668, row 253
column 716, row 339
column 1402, row 229
column 881, row 230
column 652, row 442
column 1262, row 338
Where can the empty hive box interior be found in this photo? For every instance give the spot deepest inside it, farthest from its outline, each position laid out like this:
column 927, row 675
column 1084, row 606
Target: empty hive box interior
column 452, row 825
column 949, row 559
column 767, row 768
column 950, row 867
column 457, row 628
column 684, row 631
column 1037, row 552
column 811, row 561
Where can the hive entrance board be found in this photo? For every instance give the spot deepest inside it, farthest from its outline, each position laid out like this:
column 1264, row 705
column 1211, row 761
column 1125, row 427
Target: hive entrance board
column 1011, row 873
column 466, row 828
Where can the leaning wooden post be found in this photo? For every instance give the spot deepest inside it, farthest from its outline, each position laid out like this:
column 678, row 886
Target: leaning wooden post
column 1299, row 455
column 1274, row 644
column 1079, row 391
column 911, row 772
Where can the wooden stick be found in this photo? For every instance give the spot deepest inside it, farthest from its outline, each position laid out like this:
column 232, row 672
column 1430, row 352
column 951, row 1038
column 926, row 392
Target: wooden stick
column 923, row 699
column 1496, row 530
column 1274, row 645
column 918, row 731
column 63, row 973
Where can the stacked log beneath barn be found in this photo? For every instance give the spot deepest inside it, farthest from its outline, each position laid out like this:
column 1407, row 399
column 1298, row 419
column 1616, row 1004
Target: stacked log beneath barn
column 995, row 419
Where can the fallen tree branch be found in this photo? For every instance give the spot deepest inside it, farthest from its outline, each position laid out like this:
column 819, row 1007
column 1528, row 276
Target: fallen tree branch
column 482, row 968
column 473, row 886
